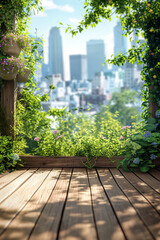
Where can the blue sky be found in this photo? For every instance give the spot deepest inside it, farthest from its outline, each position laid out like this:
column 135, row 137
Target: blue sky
column 70, row 12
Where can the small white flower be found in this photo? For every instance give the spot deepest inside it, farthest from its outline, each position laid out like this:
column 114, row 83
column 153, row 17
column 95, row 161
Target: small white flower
column 15, row 157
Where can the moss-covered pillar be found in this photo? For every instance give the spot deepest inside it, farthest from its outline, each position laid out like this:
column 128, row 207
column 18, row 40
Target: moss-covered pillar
column 8, row 101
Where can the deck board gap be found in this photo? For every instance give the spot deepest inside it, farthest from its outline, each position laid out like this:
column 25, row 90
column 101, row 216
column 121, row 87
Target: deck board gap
column 141, row 191
column 153, row 185
column 155, row 173
column 16, row 188
column 114, row 211
column 13, row 179
column 94, row 218
column 132, row 204
column 18, row 211
column 63, row 209
column 45, row 204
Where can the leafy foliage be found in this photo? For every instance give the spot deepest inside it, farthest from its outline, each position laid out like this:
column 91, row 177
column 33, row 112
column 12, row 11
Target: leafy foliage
column 8, row 159
column 80, row 135
column 144, row 18
column 143, row 148
column 32, row 121
column 125, row 103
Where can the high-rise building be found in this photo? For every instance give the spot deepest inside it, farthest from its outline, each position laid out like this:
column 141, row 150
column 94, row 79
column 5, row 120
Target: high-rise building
column 132, row 77
column 78, row 67
column 120, row 42
column 99, row 82
column 55, row 52
column 95, row 57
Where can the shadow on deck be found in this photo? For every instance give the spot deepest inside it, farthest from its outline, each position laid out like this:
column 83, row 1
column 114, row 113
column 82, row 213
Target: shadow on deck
column 79, row 204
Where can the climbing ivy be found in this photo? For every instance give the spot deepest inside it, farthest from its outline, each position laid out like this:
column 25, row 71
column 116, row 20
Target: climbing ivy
column 15, row 18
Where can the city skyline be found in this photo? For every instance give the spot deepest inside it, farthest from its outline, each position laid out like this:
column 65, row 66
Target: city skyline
column 71, row 13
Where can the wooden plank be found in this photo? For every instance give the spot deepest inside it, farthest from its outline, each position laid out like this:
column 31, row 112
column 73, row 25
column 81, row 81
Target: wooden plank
column 8, row 178
column 127, row 215
column 152, row 196
column 147, row 213
column 106, row 222
column 155, row 173
column 70, row 162
column 14, row 185
column 4, row 174
column 48, row 223
column 21, row 227
column 78, row 221
column 10, row 208
column 151, row 181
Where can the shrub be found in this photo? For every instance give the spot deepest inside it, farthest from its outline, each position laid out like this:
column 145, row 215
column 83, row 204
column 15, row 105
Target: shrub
column 8, row 159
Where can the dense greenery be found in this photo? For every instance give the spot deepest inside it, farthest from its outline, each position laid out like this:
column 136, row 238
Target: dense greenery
column 31, row 120
column 14, row 18
column 124, row 103
column 143, row 147
column 144, row 18
column 8, row 159
column 79, row 135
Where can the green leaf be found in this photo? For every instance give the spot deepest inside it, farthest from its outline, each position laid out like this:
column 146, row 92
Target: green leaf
column 144, row 169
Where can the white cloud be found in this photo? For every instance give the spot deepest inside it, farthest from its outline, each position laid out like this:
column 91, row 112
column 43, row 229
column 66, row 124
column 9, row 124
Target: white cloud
column 49, row 4
column 74, row 20
column 66, row 8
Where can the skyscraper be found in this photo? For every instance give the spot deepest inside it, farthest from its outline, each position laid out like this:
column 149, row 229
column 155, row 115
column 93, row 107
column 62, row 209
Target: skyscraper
column 78, row 67
column 95, row 57
column 120, row 42
column 55, row 52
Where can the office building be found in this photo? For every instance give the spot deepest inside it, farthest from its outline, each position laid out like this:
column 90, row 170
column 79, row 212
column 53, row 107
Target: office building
column 95, row 57
column 78, row 67
column 55, row 52
column 132, row 79
column 120, row 42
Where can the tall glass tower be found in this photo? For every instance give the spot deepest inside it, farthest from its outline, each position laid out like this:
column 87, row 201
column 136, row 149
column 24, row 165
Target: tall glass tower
column 55, row 52
column 95, row 57
column 78, row 67
column 120, row 42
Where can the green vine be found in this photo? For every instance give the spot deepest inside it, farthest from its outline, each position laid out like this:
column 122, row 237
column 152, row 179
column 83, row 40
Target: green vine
column 14, row 19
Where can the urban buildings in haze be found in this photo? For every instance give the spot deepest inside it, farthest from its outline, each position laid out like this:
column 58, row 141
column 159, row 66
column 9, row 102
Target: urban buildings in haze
column 95, row 57
column 133, row 79
column 78, row 67
column 91, row 82
column 120, row 42
column 55, row 52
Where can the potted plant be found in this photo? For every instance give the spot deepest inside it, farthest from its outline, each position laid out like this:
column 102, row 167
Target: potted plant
column 24, row 42
column 12, row 44
column 23, row 74
column 9, row 67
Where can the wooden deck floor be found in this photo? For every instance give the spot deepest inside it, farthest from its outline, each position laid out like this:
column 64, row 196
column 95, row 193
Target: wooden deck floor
column 79, row 204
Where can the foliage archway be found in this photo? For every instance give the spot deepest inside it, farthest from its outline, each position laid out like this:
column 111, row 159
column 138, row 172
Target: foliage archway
column 143, row 17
